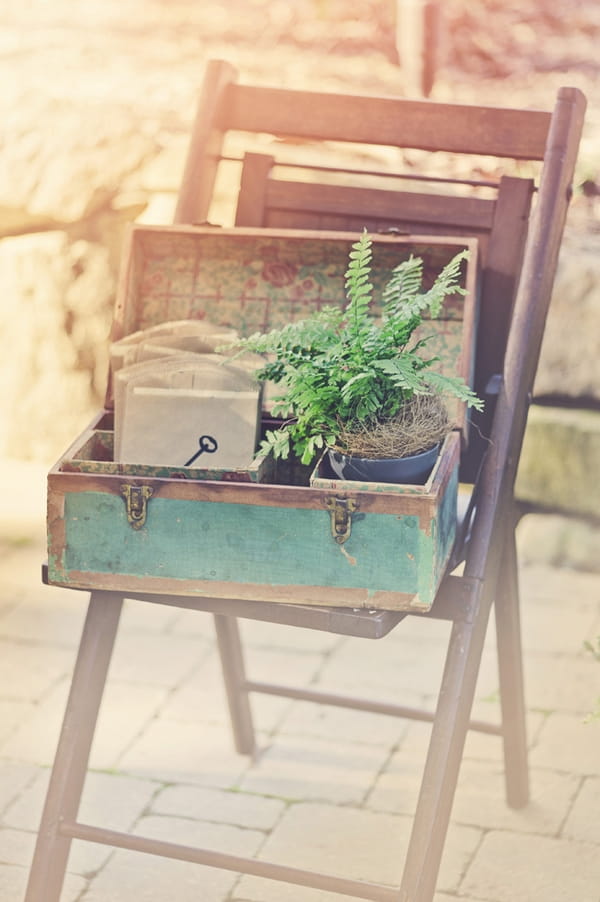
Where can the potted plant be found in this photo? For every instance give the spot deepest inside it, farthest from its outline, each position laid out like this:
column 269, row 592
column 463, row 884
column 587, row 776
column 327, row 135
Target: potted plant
column 360, row 384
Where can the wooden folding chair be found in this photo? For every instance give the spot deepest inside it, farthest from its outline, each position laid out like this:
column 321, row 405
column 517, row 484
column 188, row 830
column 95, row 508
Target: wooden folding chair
column 519, row 260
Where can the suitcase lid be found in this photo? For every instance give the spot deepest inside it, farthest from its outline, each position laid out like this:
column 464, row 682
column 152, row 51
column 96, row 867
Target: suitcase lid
column 253, row 280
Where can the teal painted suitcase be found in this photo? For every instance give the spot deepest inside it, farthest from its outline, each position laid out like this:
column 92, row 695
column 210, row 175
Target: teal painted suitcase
column 264, row 532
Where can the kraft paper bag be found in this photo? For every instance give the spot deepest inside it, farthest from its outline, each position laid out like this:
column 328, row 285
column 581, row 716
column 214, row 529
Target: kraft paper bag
column 186, row 410
column 180, row 427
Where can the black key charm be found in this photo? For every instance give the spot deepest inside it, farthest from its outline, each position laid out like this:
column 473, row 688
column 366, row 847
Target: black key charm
column 207, row 444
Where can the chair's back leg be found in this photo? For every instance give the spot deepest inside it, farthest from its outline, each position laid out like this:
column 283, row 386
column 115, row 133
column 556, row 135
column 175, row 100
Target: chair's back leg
column 234, row 677
column 510, row 667
column 204, row 150
column 70, row 764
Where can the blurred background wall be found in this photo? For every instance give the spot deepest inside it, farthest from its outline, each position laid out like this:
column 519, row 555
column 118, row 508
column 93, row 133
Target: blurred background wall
column 97, row 102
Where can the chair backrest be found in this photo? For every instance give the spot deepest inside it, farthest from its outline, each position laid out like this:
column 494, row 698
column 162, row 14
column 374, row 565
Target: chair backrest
column 519, row 248
column 302, row 117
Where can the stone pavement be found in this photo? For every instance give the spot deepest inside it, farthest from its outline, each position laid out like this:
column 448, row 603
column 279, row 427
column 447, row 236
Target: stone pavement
column 329, row 789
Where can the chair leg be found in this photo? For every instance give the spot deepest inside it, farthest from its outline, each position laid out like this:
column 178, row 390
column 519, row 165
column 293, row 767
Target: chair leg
column 444, row 756
column 234, row 677
column 70, row 764
column 510, row 665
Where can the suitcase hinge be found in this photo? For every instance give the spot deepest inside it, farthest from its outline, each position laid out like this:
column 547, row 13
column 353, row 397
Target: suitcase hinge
column 341, row 510
column 136, row 503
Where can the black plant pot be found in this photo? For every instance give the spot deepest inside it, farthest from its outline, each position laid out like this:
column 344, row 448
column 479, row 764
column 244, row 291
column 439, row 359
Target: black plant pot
column 413, row 470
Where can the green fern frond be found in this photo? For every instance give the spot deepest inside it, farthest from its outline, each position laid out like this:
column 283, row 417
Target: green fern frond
column 403, row 372
column 453, row 386
column 447, row 283
column 403, row 287
column 358, row 287
column 403, row 298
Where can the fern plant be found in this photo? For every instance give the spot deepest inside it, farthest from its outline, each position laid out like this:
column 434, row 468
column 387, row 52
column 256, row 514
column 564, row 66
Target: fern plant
column 342, row 369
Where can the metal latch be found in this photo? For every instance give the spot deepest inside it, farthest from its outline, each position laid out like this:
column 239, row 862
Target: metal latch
column 341, row 510
column 136, row 503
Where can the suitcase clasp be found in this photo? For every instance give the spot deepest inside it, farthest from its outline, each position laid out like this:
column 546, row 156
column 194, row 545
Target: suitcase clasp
column 341, row 510
column 136, row 503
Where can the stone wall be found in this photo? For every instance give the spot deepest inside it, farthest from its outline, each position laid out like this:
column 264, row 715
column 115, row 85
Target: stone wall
column 95, row 115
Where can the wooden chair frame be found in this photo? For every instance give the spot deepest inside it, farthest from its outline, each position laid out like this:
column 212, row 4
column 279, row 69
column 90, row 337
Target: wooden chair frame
column 490, row 567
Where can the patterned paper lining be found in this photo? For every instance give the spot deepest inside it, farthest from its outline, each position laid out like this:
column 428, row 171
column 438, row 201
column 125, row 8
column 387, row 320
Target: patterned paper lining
column 254, row 283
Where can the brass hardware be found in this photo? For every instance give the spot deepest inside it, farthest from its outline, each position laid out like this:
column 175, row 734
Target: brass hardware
column 341, row 510
column 136, row 503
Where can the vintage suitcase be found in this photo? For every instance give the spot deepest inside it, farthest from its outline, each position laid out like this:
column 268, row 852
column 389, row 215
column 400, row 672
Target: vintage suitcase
column 263, row 532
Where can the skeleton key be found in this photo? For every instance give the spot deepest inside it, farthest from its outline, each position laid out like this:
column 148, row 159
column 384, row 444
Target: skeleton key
column 207, row 444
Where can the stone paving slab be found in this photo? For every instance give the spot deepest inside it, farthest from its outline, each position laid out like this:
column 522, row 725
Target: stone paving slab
column 329, row 788
column 185, row 753
column 583, row 822
column 114, row 800
column 13, row 880
column 202, row 697
column 568, row 743
column 306, row 768
column 540, row 868
column 236, row 808
column 357, row 844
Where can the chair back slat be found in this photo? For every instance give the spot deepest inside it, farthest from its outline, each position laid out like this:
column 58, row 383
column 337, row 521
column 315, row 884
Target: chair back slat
column 423, row 125
column 448, row 213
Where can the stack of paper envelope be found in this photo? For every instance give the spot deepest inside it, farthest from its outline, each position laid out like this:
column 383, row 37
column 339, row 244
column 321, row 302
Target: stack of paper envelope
column 178, row 403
